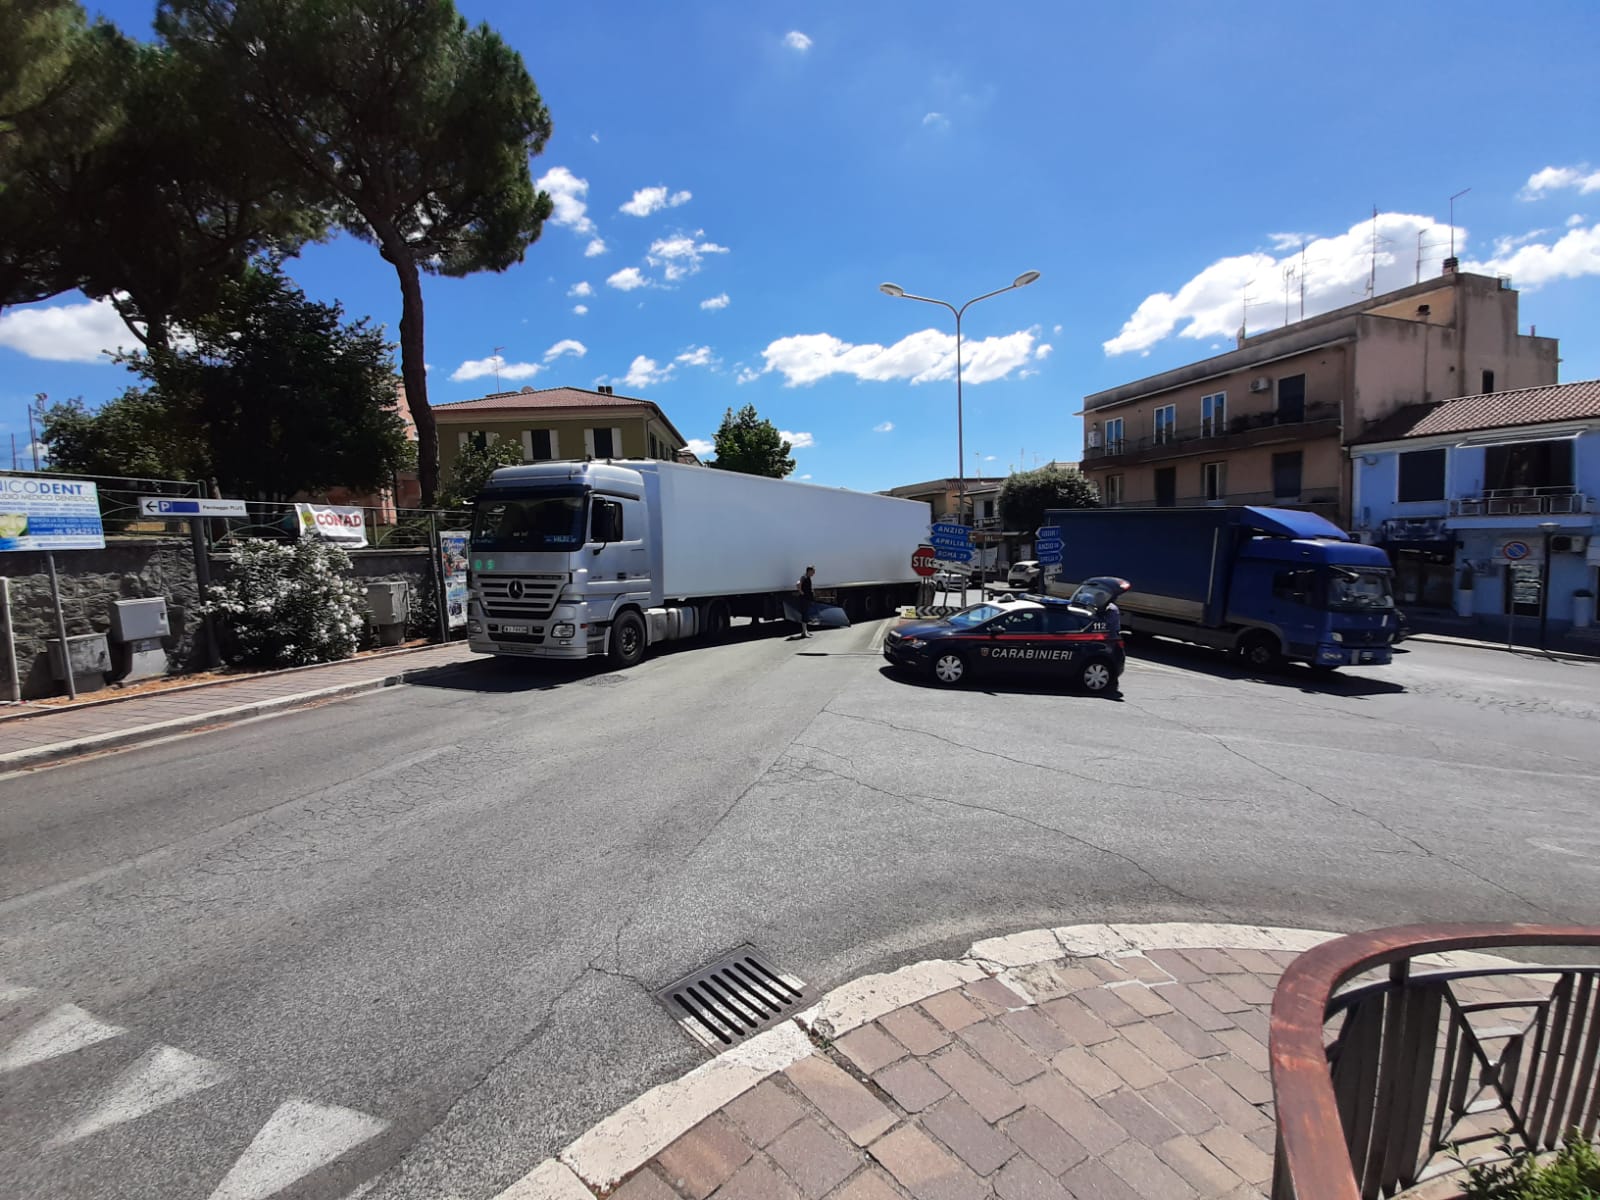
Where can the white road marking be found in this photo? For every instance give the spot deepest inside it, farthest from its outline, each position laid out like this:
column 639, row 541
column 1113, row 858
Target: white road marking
column 161, row 1076
column 10, row 993
column 60, row 1031
column 298, row 1138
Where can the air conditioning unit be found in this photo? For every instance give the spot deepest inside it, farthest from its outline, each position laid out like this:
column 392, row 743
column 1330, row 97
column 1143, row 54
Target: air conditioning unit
column 1262, row 383
column 1568, row 544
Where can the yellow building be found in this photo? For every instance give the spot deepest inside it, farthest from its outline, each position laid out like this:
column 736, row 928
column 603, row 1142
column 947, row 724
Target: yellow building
column 561, row 422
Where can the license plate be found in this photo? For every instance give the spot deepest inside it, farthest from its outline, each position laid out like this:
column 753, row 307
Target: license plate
column 1367, row 656
column 516, row 629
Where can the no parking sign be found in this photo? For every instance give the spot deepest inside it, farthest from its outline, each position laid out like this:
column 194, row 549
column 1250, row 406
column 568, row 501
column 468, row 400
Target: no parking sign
column 1515, row 550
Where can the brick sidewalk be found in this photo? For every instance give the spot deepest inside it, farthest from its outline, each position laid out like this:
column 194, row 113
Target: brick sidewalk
column 1140, row 1076
column 50, row 736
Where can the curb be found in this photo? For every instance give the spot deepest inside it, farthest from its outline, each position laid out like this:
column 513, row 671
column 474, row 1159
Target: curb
column 40, row 756
column 1480, row 644
column 30, row 714
column 629, row 1138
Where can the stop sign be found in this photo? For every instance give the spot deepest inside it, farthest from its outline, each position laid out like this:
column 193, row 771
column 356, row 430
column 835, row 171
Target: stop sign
column 922, row 561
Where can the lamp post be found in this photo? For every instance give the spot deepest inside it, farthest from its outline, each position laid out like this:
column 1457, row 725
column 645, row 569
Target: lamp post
column 895, row 290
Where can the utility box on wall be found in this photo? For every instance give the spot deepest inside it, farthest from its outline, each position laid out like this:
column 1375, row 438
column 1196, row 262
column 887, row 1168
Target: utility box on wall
column 90, row 658
column 389, row 603
column 139, row 627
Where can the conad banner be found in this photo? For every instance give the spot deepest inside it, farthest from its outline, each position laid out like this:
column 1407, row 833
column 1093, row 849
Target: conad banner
column 453, row 553
column 333, row 523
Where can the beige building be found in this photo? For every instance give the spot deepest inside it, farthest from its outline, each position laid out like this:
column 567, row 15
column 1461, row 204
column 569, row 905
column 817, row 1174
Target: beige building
column 1266, row 423
column 555, row 423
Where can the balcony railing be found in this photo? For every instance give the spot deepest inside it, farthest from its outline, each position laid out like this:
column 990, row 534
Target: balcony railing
column 1515, row 502
column 1244, row 424
column 1314, row 497
column 1390, row 1083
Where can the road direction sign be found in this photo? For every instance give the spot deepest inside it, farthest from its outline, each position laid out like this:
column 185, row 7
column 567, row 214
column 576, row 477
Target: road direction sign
column 168, row 506
column 924, row 561
column 949, row 529
column 1048, row 533
column 955, row 554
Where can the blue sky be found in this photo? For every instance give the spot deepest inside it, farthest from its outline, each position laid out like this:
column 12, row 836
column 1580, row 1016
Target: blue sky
column 1159, row 164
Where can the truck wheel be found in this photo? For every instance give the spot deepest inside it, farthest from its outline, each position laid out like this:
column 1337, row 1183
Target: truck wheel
column 1260, row 652
column 717, row 619
column 874, row 604
column 627, row 640
column 1097, row 677
column 949, row 669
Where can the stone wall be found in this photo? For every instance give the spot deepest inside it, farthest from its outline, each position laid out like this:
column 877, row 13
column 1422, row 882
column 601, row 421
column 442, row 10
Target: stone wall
column 90, row 581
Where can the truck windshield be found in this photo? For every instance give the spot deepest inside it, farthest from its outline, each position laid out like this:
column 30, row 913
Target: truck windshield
column 1351, row 590
column 533, row 521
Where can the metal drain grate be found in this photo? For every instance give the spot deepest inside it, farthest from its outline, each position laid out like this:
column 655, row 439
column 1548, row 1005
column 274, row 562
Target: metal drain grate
column 734, row 998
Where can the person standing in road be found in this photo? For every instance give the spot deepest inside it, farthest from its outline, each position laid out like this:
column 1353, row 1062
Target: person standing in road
column 807, row 599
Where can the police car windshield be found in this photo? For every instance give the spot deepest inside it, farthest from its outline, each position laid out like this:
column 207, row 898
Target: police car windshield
column 976, row 615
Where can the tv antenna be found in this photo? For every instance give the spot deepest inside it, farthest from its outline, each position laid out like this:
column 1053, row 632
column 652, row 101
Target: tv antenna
column 496, row 359
column 1422, row 233
column 1453, row 200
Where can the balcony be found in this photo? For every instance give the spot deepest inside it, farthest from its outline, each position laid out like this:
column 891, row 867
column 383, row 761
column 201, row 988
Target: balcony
column 1249, row 429
column 1517, row 502
column 1315, row 499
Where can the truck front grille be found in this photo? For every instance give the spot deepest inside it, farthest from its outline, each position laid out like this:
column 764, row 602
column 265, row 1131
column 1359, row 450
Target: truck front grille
column 510, row 596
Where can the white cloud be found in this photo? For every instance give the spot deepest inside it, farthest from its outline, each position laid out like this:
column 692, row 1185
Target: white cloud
column 796, row 40
column 696, row 356
column 1288, row 241
column 718, row 301
column 922, row 357
column 645, row 371
column 936, row 120
column 580, row 309
column 595, row 248
column 82, row 333
column 883, row 427
column 747, row 375
column 701, row 447
column 1574, row 221
column 494, row 365
column 803, row 478
column 627, row 279
column 1575, row 254
column 1056, row 329
column 797, row 441
column 1555, row 178
column 595, row 138
column 681, row 254
column 568, row 193
column 565, row 346
column 1211, row 304
column 582, row 288
column 1042, row 350
column 653, row 199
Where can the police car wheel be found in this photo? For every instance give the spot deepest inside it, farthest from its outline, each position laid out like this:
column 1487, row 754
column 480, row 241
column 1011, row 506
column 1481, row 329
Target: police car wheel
column 949, row 669
column 1097, row 676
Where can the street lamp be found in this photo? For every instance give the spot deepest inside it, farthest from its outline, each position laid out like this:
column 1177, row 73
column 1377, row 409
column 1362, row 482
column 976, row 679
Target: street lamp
column 895, row 290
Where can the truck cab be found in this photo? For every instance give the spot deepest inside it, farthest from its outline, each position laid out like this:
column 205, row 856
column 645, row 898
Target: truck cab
column 1325, row 602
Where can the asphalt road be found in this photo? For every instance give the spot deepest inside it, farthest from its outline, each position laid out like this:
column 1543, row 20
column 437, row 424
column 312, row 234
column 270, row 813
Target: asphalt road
column 409, row 940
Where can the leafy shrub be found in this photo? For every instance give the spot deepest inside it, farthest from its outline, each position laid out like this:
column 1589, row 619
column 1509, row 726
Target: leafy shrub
column 289, row 604
column 1573, row 1174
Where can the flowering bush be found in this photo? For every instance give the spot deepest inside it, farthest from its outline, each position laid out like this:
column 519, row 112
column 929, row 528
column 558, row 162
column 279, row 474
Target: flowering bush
column 289, row 604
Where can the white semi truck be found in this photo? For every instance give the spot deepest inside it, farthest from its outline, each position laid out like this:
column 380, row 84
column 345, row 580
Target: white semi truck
column 577, row 560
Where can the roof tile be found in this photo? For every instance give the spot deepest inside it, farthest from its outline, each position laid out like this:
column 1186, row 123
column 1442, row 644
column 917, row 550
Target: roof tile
column 1496, row 410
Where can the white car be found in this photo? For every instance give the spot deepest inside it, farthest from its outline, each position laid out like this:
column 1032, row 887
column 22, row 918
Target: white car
column 950, row 581
column 1026, row 574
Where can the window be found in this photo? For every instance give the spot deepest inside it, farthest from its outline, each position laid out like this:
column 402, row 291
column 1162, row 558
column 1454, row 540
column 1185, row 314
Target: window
column 1488, row 382
column 1114, row 436
column 654, row 453
column 1527, row 465
column 1214, row 480
column 476, row 438
column 1026, row 621
column 1421, row 475
column 1113, row 486
column 605, row 522
column 1166, row 423
column 538, row 445
column 1061, row 620
column 1294, row 586
column 603, row 443
column 1214, row 414
column 1286, row 475
column 988, row 510
column 1166, row 487
column 1291, row 399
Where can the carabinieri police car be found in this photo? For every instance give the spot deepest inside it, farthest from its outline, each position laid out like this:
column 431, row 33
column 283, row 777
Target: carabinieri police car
column 1043, row 638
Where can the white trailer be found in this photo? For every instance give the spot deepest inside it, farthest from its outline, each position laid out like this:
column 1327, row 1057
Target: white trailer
column 573, row 560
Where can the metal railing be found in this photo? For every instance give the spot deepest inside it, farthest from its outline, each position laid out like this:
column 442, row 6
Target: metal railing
column 1244, row 423
column 1512, row 502
column 1319, row 496
column 1428, row 1070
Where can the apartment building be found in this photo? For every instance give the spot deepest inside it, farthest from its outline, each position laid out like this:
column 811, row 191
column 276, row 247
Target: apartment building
column 1267, row 422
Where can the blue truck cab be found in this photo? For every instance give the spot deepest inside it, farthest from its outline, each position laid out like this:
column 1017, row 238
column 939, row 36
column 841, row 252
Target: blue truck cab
column 1269, row 584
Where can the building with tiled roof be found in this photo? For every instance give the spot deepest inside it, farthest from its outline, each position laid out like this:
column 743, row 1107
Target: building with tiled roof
column 559, row 422
column 1487, row 503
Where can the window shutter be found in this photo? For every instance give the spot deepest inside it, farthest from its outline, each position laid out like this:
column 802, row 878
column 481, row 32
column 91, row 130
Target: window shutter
column 461, row 439
column 588, row 443
column 527, row 445
column 555, row 450
column 616, row 443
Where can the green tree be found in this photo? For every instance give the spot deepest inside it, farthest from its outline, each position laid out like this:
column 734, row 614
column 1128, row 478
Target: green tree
column 415, row 127
column 745, row 442
column 1026, row 495
column 277, row 395
column 473, row 466
column 136, row 186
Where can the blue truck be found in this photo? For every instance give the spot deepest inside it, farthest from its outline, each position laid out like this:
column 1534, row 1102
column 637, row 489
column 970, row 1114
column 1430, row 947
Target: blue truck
column 1272, row 585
